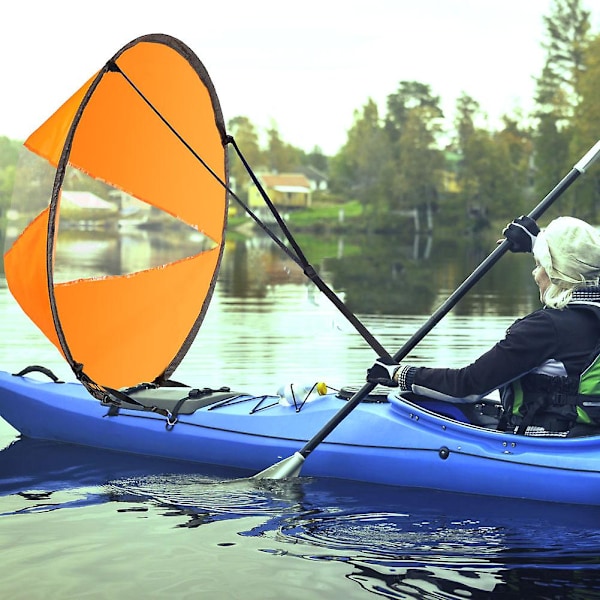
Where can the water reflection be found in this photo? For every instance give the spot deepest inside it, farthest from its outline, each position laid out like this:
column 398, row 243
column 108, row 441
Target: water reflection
column 401, row 543
column 386, row 278
column 267, row 323
column 392, row 542
column 374, row 274
column 267, row 326
column 84, row 253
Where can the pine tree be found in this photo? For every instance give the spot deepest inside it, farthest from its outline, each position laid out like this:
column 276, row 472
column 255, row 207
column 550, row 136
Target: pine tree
column 557, row 97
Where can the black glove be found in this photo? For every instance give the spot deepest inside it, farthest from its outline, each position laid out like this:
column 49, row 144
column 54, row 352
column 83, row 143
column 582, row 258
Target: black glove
column 382, row 372
column 521, row 234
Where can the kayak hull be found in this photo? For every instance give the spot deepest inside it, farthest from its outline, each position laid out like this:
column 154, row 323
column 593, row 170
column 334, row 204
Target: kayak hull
column 392, row 443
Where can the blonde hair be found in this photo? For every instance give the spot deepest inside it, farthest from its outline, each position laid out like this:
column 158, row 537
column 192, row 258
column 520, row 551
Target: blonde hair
column 558, row 296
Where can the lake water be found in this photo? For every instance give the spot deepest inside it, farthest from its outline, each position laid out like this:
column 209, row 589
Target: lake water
column 80, row 523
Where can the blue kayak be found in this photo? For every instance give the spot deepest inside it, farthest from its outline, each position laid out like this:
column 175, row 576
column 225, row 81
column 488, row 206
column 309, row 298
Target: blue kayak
column 386, row 439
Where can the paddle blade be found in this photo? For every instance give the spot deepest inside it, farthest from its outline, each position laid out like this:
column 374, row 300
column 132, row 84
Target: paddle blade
column 288, row 467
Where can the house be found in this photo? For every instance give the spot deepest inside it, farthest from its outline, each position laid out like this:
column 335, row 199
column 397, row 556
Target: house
column 317, row 179
column 286, row 190
column 86, row 207
column 132, row 212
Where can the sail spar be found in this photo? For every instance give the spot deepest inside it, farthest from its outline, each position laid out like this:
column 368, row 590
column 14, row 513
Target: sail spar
column 149, row 123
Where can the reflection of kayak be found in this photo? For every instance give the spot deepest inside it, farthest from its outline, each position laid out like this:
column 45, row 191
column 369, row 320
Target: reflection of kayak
column 392, row 442
column 31, row 467
column 384, row 538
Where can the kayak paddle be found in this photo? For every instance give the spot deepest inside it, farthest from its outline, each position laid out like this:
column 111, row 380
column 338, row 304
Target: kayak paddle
column 291, row 466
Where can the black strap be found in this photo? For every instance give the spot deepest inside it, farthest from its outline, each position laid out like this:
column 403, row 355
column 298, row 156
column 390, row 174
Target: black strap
column 550, row 385
column 38, row 369
column 172, row 420
column 121, row 397
column 193, row 394
column 533, row 407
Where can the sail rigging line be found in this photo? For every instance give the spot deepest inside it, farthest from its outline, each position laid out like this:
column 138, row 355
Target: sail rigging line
column 308, row 269
column 298, row 258
column 112, row 66
column 298, row 255
column 301, row 258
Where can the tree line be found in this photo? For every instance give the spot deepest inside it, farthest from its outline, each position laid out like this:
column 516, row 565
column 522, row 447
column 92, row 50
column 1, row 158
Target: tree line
column 409, row 157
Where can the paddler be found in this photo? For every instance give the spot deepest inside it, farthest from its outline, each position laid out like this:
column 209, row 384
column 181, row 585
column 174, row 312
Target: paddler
column 545, row 367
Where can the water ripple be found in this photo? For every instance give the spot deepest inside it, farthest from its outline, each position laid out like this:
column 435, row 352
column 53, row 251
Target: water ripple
column 204, row 499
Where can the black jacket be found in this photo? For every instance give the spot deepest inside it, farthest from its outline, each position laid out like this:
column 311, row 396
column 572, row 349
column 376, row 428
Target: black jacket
column 548, row 341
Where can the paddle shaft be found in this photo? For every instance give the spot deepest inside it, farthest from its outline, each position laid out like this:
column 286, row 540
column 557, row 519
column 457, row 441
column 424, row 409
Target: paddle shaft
column 451, row 302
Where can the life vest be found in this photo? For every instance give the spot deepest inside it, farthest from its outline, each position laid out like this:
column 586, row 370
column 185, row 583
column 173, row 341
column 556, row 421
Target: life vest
column 555, row 404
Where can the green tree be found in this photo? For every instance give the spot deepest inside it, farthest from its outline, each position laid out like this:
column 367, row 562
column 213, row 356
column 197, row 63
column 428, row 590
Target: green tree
column 567, row 29
column 316, row 159
column 246, row 138
column 520, row 146
column 494, row 166
column 411, row 95
column 9, row 156
column 281, row 156
column 586, row 132
column 466, row 112
column 417, row 182
column 358, row 168
column 488, row 165
column 9, row 151
column 413, row 126
column 567, row 34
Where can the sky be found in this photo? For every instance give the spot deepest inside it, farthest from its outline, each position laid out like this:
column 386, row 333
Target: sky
column 304, row 67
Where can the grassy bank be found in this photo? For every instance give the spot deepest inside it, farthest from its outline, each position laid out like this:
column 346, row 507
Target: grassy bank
column 317, row 218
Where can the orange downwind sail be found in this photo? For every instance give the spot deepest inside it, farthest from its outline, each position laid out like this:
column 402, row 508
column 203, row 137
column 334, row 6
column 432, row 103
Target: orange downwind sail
column 148, row 124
